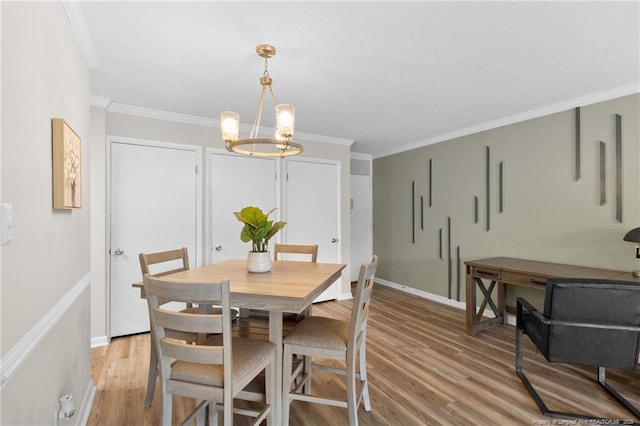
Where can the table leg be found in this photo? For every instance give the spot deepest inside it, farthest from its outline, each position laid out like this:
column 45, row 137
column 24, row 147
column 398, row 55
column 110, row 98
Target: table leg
column 275, row 337
column 470, row 296
column 502, row 302
column 475, row 322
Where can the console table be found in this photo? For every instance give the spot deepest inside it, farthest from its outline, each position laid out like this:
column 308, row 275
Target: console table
column 501, row 271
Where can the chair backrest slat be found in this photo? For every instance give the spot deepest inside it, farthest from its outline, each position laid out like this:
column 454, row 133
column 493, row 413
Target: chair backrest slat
column 173, row 257
column 296, row 249
column 192, row 353
column 362, row 300
column 188, row 322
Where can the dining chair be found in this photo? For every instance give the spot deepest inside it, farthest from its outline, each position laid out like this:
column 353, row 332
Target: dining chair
column 298, row 253
column 160, row 264
column 585, row 321
column 292, row 252
column 323, row 337
column 212, row 371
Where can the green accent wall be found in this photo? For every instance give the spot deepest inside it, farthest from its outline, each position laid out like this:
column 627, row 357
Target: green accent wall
column 547, row 214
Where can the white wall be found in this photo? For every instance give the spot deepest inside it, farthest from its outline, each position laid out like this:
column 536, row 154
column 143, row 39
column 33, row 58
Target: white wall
column 45, row 270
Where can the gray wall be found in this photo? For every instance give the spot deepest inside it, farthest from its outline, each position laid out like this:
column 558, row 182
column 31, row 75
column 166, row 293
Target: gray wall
column 547, row 214
column 45, row 303
column 130, row 125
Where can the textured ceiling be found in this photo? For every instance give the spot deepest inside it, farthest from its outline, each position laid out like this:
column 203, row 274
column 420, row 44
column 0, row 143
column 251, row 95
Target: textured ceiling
column 388, row 75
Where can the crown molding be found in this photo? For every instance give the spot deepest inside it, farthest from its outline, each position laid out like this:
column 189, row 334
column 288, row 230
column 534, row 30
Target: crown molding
column 99, row 101
column 163, row 115
column 360, row 156
column 81, row 31
column 517, row 118
column 212, row 122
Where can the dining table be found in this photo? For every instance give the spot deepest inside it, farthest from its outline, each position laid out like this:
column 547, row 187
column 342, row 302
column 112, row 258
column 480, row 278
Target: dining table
column 289, row 287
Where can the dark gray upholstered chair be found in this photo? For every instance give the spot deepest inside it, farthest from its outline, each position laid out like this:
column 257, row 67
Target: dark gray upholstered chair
column 585, row 321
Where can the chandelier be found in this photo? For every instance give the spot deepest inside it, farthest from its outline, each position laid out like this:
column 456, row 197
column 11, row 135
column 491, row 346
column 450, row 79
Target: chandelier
column 281, row 145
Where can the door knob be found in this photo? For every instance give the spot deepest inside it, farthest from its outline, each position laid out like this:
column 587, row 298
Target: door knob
column 218, row 247
column 119, row 252
column 334, row 240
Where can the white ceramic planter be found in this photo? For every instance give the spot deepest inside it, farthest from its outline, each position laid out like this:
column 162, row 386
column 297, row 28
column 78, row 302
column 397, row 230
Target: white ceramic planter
column 259, row 262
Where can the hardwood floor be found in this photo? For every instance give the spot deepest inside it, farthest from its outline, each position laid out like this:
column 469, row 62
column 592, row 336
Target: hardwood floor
column 423, row 370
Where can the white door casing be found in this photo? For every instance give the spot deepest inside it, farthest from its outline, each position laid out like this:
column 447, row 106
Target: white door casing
column 154, row 205
column 361, row 223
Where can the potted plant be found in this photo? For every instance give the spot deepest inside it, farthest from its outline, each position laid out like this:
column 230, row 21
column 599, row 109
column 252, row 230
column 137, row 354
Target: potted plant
column 258, row 229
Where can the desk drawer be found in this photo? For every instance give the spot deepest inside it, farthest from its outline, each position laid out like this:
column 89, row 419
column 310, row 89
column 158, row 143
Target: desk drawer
column 484, row 272
column 525, row 280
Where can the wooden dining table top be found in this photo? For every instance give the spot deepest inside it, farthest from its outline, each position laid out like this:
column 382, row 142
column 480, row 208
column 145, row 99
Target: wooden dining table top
column 289, row 286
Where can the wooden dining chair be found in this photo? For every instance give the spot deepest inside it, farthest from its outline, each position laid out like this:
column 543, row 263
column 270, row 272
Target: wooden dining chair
column 298, row 253
column 331, row 338
column 160, row 264
column 292, row 252
column 213, row 371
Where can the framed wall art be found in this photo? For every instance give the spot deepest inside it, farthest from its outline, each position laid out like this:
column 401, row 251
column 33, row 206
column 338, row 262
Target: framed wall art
column 67, row 166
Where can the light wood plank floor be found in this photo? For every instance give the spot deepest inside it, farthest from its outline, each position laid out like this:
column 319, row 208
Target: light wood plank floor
column 423, row 370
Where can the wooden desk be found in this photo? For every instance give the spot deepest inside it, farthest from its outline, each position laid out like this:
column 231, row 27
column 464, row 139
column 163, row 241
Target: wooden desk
column 501, row 271
column 289, row 287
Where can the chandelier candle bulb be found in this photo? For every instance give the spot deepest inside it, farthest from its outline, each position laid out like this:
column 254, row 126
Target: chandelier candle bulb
column 229, row 124
column 285, row 119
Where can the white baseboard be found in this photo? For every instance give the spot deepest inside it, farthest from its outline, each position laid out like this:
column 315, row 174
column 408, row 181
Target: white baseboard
column 87, row 404
column 345, row 296
column 96, row 342
column 436, row 298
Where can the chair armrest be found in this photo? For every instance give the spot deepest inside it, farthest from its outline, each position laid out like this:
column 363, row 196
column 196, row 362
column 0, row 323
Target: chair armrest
column 593, row 325
column 523, row 303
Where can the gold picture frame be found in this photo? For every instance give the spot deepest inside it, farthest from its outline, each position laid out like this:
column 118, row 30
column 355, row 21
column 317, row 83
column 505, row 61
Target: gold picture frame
column 67, row 166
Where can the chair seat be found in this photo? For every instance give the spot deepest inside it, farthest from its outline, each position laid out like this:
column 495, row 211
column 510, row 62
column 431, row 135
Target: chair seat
column 246, row 355
column 320, row 333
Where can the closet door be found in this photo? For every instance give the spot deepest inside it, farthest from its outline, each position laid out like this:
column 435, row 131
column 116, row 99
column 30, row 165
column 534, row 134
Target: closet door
column 154, row 198
column 311, row 209
column 236, row 182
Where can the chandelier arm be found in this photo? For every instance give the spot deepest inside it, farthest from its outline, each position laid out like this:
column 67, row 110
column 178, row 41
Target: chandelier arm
column 275, row 101
column 256, row 121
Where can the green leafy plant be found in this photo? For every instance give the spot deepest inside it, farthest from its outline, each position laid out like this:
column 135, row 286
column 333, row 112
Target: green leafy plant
column 257, row 227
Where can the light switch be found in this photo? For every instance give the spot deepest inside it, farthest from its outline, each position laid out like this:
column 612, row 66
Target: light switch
column 6, row 223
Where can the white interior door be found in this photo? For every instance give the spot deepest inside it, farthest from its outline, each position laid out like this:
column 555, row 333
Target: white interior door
column 236, row 182
column 312, row 211
column 154, row 206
